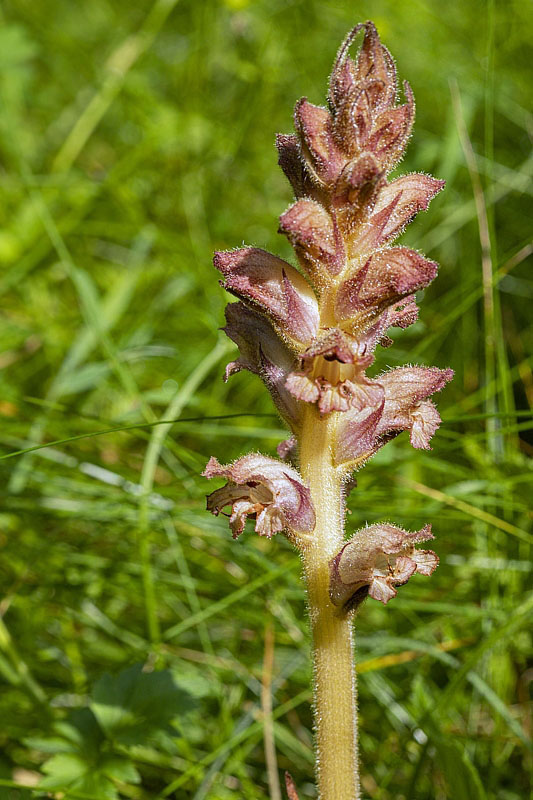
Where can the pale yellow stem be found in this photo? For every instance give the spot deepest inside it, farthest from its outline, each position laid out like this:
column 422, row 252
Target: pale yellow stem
column 335, row 707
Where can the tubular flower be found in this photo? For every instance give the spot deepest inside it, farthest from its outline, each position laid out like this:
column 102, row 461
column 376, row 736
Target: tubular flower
column 270, row 491
column 405, row 407
column 332, row 374
column 273, row 286
column 375, row 561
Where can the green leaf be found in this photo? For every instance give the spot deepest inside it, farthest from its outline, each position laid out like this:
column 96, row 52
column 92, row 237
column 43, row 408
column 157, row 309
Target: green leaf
column 134, row 704
column 96, row 778
column 462, row 778
column 63, row 770
column 81, row 732
column 120, row 769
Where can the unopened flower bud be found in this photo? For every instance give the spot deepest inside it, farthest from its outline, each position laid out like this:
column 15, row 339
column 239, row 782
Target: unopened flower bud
column 273, row 287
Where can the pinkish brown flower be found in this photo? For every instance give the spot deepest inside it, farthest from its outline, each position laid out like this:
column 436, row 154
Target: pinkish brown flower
column 291, row 162
column 405, row 407
column 385, row 278
column 395, row 206
column 377, row 560
column 341, row 227
column 362, row 119
column 332, row 374
column 315, row 236
column 266, row 489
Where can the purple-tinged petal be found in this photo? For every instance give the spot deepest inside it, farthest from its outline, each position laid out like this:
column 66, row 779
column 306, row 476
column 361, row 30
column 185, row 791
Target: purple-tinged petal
column 403, row 313
column 374, row 60
column 272, row 286
column 385, row 278
column 311, row 231
column 391, row 132
column 366, row 87
column 287, row 449
column 334, row 344
column 373, row 63
column 407, row 386
column 292, row 163
column 335, row 393
column 263, row 487
column 357, row 188
column 406, row 390
column 377, row 560
column 332, row 374
column 397, row 204
column 404, row 407
column 425, row 421
column 356, row 433
column 263, row 353
column 314, row 125
column 303, row 387
column 343, row 81
column 344, row 76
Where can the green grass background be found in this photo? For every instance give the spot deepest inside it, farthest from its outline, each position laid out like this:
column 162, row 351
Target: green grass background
column 135, row 138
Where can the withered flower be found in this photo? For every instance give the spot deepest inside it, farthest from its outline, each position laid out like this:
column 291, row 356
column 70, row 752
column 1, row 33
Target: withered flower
column 377, row 560
column 266, row 489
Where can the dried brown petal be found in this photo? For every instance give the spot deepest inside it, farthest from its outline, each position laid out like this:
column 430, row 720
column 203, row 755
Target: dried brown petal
column 292, row 794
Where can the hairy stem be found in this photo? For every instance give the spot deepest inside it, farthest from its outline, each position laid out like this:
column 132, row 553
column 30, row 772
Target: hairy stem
column 335, row 707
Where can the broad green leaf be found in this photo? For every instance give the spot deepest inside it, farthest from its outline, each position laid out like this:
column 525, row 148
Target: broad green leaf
column 132, row 705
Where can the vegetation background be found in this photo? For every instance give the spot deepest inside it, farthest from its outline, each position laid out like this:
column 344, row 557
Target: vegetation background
column 135, row 139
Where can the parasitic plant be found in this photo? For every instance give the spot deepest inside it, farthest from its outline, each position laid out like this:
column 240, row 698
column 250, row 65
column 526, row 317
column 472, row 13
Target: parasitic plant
column 310, row 334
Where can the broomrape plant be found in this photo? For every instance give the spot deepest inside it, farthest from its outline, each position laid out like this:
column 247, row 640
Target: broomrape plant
column 310, row 335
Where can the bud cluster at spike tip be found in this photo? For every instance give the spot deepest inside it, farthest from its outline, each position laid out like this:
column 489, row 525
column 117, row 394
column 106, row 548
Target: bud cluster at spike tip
column 311, row 333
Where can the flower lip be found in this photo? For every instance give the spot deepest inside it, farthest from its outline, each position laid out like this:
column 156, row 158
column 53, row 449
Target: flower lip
column 332, row 374
column 263, row 488
column 405, row 407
